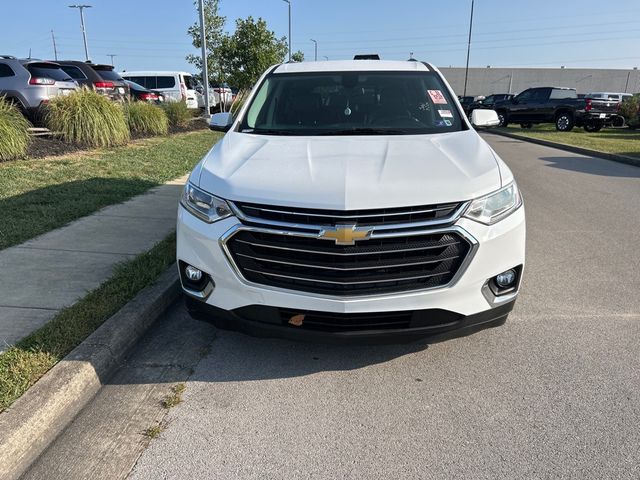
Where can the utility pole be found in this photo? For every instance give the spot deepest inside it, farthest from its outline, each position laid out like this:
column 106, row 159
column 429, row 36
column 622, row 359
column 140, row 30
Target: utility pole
column 55, row 50
column 316, row 49
column 112, row 55
column 289, row 39
column 325, row 57
column 84, row 31
column 626, row 85
column 466, row 70
column 205, row 65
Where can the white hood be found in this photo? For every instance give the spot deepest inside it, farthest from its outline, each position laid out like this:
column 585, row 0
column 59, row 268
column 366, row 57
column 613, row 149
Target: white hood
column 349, row 173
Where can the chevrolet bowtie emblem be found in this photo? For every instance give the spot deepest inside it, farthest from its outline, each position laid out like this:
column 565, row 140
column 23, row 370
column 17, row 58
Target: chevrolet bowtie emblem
column 345, row 234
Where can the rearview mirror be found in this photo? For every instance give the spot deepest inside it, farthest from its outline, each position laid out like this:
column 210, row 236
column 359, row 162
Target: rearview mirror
column 221, row 122
column 484, row 118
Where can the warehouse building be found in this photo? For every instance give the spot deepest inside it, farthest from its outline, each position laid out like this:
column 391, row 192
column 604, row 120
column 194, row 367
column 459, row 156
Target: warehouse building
column 485, row 81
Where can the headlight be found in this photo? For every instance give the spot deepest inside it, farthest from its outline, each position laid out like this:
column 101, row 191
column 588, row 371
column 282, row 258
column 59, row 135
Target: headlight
column 495, row 206
column 204, row 205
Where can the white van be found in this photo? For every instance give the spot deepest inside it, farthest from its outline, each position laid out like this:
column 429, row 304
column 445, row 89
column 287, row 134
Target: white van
column 175, row 86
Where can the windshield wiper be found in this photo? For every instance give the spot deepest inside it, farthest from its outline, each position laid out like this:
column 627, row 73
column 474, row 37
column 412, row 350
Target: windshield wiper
column 365, row 131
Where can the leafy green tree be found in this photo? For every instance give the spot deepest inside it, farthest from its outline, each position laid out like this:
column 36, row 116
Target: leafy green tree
column 246, row 54
column 214, row 35
column 297, row 56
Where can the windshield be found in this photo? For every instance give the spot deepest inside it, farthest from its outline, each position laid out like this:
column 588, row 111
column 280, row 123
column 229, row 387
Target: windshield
column 352, row 103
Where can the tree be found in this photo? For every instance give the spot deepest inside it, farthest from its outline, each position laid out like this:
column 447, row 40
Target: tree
column 214, row 24
column 246, row 54
column 297, row 56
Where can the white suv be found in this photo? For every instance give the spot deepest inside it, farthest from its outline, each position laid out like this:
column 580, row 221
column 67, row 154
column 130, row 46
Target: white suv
column 351, row 199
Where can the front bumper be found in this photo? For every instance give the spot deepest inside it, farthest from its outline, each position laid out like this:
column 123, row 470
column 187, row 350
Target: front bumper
column 469, row 306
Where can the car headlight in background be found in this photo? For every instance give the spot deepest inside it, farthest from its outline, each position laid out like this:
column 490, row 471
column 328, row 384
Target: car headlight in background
column 495, row 206
column 204, row 205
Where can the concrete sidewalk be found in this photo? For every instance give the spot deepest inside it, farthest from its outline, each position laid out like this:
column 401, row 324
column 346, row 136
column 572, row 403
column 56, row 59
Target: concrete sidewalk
column 54, row 270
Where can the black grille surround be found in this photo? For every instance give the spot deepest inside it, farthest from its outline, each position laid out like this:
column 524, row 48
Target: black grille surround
column 383, row 264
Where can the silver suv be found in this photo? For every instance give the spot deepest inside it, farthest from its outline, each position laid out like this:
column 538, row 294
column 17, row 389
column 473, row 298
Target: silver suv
column 30, row 83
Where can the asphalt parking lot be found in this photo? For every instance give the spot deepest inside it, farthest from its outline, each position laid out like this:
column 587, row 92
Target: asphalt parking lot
column 553, row 393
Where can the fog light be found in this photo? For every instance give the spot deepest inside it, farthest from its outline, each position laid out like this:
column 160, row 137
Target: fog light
column 506, row 279
column 193, row 273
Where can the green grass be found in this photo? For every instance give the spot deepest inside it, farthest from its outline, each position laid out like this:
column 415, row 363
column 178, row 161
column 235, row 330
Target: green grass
column 37, row 196
column 14, row 133
column 621, row 141
column 177, row 113
column 88, row 119
column 174, row 397
column 24, row 363
column 146, row 119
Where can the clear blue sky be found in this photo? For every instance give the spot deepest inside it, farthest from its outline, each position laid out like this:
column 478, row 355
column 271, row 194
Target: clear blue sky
column 146, row 34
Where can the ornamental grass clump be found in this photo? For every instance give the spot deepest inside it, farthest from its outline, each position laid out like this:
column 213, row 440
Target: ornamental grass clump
column 87, row 119
column 146, row 119
column 177, row 113
column 14, row 132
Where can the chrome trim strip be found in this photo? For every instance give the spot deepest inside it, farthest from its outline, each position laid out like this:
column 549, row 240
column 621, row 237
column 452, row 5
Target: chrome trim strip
column 394, row 226
column 199, row 295
column 331, row 282
column 323, row 267
column 348, row 217
column 223, row 240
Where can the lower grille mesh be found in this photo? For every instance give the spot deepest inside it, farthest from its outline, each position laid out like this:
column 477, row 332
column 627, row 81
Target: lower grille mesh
column 369, row 267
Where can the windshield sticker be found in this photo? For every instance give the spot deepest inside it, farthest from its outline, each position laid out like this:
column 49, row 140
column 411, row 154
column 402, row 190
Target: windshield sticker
column 440, row 123
column 437, row 97
column 448, row 123
column 445, row 113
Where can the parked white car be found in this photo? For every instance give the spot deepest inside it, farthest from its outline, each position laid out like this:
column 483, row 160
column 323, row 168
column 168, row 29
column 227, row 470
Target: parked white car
column 351, row 199
column 175, row 86
column 613, row 96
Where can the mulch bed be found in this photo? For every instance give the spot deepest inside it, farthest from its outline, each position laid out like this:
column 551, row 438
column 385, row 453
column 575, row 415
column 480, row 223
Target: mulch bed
column 47, row 146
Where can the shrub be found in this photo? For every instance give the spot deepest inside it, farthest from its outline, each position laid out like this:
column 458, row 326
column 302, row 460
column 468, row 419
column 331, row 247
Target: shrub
column 630, row 110
column 88, row 119
column 14, row 132
column 147, row 119
column 177, row 113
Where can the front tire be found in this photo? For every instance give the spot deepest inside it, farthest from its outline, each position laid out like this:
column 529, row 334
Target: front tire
column 564, row 122
column 502, row 117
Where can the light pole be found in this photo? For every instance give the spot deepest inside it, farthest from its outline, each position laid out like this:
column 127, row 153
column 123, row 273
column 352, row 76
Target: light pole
column 205, row 66
column 466, row 70
column 84, row 31
column 112, row 56
column 325, row 57
column 289, row 39
column 316, row 49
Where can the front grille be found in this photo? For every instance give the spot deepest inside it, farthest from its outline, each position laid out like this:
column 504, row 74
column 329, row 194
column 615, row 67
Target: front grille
column 374, row 266
column 375, row 217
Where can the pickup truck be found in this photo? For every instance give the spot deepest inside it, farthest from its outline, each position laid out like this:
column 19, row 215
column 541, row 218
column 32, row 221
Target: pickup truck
column 560, row 106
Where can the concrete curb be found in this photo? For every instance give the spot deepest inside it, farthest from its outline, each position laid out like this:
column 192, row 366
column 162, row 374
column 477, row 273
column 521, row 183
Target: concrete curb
column 34, row 421
column 570, row 148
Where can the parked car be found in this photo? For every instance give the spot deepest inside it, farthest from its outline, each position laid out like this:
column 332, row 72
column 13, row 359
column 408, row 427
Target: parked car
column 138, row 92
column 609, row 96
column 101, row 78
column 335, row 207
column 489, row 101
column 30, row 83
column 557, row 105
column 466, row 102
column 224, row 93
column 175, row 86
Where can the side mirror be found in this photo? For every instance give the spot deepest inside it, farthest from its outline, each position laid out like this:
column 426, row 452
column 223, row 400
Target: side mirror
column 221, row 122
column 484, row 118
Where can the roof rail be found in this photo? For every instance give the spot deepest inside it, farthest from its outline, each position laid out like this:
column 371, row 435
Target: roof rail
column 8, row 57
